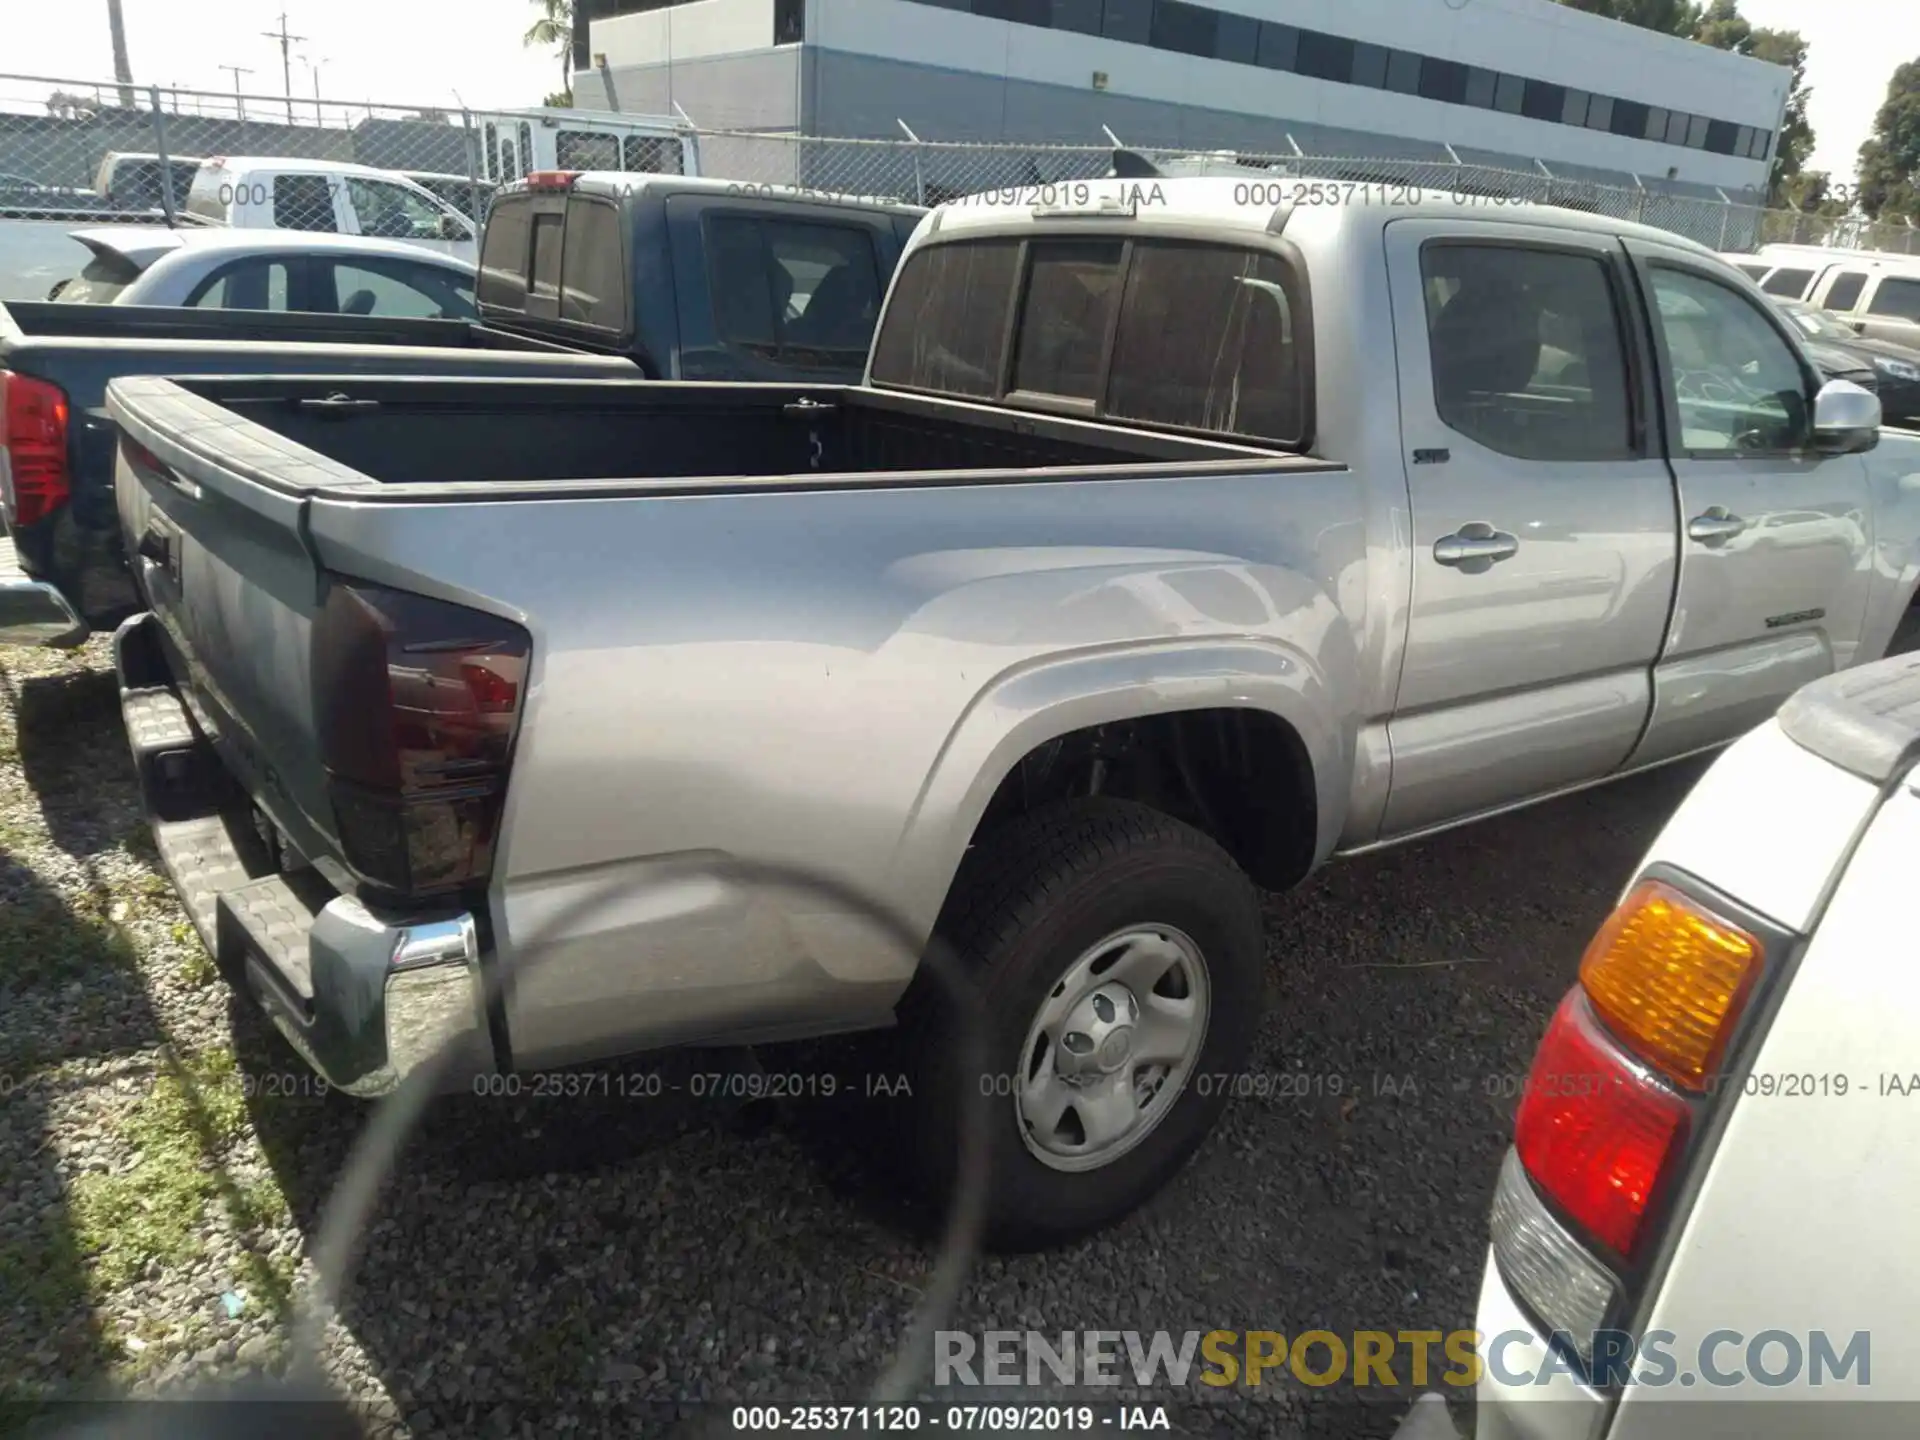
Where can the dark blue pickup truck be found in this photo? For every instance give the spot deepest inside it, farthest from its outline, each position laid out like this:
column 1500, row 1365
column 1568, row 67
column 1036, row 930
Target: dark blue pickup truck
column 582, row 276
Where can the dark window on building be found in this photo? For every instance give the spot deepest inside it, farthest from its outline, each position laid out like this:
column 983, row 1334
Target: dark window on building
column 586, row 150
column 1081, row 16
column 1720, row 136
column 1896, row 297
column 545, row 273
column 1020, row 12
column 1211, row 338
column 1790, row 283
column 1325, row 57
column 1237, row 39
column 1403, row 72
column 1186, row 29
column 946, row 322
column 1279, row 46
column 1370, row 66
column 1631, row 118
column 1129, row 20
column 1443, row 80
column 1543, row 100
column 1526, row 352
column 1509, row 93
column 789, row 21
column 1072, row 286
column 593, row 266
column 303, row 202
column 1600, row 112
column 1482, row 87
column 503, row 254
column 1844, row 293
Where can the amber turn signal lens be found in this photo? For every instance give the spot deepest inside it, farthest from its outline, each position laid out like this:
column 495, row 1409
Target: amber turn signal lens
column 1669, row 978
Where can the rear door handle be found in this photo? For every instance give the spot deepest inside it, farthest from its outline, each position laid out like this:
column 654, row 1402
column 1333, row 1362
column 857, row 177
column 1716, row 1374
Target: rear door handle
column 1475, row 547
column 1716, row 525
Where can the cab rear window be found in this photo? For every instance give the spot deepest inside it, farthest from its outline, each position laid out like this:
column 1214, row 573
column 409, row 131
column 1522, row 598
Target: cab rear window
column 1189, row 335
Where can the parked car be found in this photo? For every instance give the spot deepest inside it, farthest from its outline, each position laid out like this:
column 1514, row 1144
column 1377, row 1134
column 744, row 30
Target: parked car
column 135, row 180
column 1696, row 1205
column 270, row 270
column 661, row 273
column 37, row 250
column 1892, row 371
column 1110, row 593
column 1879, row 299
column 283, row 193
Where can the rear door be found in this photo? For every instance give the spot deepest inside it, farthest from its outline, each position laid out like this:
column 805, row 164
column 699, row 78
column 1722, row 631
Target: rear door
column 1890, row 310
column 1542, row 516
column 1774, row 539
column 783, row 292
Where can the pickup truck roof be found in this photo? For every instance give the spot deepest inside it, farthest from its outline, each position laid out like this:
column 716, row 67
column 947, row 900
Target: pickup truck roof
column 622, row 185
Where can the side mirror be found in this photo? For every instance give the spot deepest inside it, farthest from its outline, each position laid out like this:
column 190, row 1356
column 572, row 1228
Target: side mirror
column 1846, row 419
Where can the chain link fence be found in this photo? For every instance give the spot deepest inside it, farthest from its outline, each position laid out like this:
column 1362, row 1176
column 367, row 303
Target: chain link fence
column 56, row 138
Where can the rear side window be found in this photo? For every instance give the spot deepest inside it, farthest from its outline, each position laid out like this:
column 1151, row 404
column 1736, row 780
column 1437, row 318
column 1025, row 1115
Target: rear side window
column 1792, row 283
column 1072, row 288
column 303, row 202
column 651, row 154
column 593, row 271
column 1844, row 293
column 546, row 256
column 586, row 150
column 1526, row 351
column 503, row 255
column 946, row 324
column 1211, row 338
column 1898, row 298
column 793, row 292
column 246, row 285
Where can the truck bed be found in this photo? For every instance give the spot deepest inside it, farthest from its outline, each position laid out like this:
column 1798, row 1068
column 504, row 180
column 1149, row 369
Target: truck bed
column 411, row 438
column 43, row 320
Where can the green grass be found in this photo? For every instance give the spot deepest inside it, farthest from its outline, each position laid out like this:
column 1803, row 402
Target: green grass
column 43, row 942
column 155, row 1210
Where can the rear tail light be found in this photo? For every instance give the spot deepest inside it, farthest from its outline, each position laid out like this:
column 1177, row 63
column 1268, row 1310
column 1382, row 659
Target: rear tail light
column 551, row 179
column 1670, row 980
column 417, row 702
column 1615, row 1097
column 34, row 478
column 1597, row 1135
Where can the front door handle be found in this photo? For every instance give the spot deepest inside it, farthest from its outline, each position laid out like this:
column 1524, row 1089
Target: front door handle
column 1475, row 547
column 1716, row 525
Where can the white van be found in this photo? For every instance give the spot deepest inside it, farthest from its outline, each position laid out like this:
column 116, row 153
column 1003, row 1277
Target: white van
column 515, row 143
column 329, row 196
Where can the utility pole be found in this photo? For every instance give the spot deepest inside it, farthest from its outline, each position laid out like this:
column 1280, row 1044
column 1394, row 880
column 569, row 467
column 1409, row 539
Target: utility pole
column 239, row 100
column 286, row 59
column 122, row 68
column 314, row 66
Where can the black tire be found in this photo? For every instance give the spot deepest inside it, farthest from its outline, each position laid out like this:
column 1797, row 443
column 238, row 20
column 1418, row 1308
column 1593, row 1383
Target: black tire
column 1028, row 900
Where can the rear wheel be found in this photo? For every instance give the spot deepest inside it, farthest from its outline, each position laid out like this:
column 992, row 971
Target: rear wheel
column 1120, row 957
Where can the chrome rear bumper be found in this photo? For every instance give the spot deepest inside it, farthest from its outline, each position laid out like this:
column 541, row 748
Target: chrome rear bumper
column 32, row 612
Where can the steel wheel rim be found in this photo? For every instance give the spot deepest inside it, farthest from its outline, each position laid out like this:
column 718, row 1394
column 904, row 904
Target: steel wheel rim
column 1097, row 1076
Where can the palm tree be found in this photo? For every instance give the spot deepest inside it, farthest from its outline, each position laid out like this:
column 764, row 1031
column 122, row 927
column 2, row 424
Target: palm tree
column 555, row 27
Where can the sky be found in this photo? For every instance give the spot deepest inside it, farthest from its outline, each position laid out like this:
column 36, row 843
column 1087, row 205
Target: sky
column 421, row 52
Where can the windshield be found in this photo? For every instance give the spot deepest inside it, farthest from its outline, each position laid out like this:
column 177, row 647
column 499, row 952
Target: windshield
column 1818, row 323
column 100, row 283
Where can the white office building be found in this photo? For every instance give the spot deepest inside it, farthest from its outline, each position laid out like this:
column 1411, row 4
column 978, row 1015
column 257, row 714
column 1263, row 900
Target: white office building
column 1517, row 84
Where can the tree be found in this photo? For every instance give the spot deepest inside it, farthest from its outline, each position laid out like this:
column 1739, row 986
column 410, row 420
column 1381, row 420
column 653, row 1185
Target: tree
column 1890, row 160
column 1669, row 17
column 555, row 28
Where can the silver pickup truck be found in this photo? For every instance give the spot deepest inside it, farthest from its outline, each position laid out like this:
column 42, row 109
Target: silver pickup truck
column 1183, row 535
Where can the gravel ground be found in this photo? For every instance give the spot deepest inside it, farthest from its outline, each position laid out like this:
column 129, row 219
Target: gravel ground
column 540, row 1264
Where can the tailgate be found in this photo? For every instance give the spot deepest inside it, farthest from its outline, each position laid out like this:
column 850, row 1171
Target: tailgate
column 213, row 516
